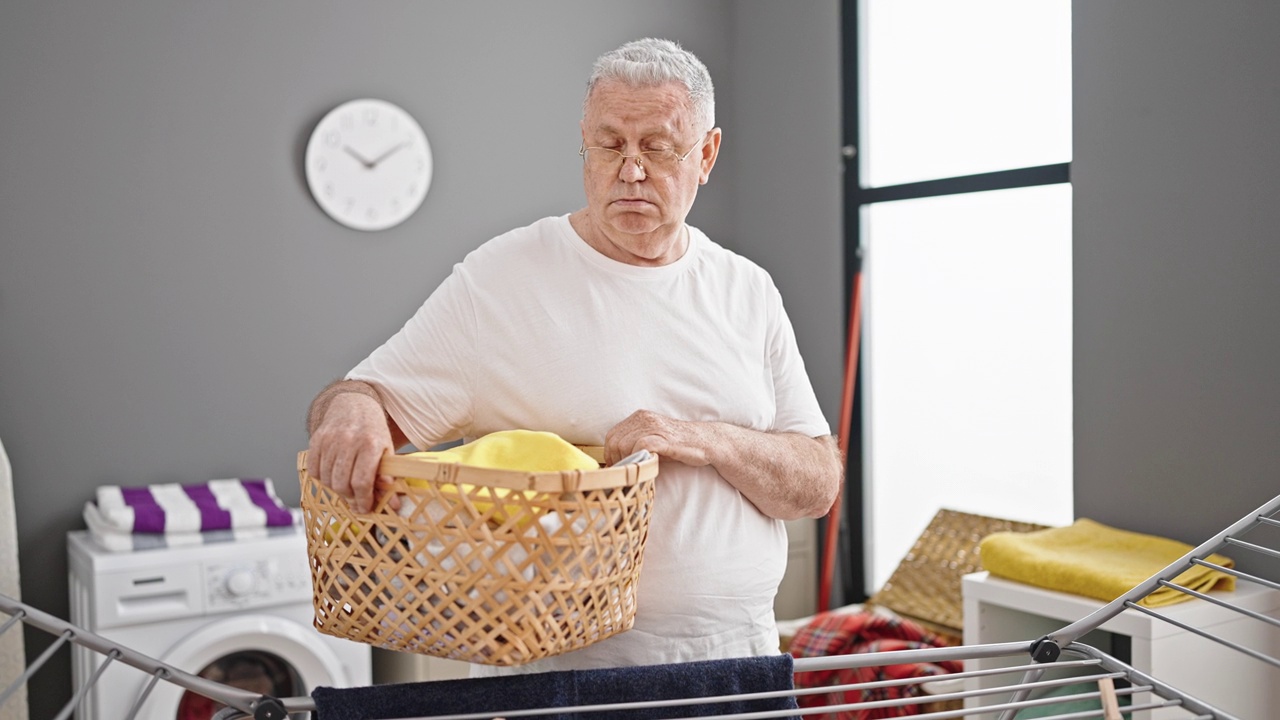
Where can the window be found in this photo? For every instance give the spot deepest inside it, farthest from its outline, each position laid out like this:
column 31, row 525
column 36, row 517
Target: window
column 959, row 224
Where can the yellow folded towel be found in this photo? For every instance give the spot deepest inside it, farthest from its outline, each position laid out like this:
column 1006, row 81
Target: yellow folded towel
column 524, row 450
column 1095, row 560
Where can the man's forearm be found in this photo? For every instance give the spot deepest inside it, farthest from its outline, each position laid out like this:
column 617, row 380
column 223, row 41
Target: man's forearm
column 785, row 475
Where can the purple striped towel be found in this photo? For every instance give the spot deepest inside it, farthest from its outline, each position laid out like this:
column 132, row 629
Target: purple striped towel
column 115, row 540
column 172, row 508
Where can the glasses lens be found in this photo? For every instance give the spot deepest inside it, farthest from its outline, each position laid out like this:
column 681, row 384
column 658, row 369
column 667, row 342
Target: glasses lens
column 660, row 164
column 602, row 160
column 656, row 164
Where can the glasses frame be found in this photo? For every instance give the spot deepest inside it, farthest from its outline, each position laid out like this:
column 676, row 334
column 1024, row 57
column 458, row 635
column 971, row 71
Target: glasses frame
column 640, row 156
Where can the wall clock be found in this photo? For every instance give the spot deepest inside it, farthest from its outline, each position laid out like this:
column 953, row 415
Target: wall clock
column 368, row 164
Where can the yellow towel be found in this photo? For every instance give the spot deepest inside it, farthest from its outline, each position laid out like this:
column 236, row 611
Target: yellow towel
column 1091, row 559
column 524, row 450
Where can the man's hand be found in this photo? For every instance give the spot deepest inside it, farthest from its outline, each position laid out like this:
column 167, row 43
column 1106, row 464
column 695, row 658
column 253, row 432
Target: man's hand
column 644, row 430
column 785, row 475
column 350, row 433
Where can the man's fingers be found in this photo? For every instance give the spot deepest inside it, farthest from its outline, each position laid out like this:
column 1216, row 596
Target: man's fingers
column 364, row 469
column 352, row 473
column 313, row 462
column 384, row 484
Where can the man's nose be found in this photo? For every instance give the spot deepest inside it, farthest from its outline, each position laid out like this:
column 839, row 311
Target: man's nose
column 631, row 170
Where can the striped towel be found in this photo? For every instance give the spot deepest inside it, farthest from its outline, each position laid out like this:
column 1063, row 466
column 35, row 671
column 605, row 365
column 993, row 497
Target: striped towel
column 115, row 540
column 172, row 508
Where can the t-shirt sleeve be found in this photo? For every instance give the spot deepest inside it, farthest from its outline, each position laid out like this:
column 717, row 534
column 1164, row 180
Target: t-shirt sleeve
column 797, row 405
column 421, row 372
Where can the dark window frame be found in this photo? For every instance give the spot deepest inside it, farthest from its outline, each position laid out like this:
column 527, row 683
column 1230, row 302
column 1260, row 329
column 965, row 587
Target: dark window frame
column 851, row 562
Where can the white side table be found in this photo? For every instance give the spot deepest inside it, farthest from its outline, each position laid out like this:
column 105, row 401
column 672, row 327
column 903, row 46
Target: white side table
column 998, row 610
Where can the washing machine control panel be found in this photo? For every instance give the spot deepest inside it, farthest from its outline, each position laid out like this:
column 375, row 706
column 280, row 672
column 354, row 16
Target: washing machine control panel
column 257, row 582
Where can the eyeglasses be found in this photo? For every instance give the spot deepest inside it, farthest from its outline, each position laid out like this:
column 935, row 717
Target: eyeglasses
column 655, row 163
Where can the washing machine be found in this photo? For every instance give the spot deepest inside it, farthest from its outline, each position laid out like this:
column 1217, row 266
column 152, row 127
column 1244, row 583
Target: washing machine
column 238, row 612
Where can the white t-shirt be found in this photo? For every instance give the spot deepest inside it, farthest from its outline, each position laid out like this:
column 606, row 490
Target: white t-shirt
column 535, row 329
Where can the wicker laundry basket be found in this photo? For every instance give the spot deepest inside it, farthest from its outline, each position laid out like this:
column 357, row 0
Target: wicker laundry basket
column 488, row 566
column 926, row 585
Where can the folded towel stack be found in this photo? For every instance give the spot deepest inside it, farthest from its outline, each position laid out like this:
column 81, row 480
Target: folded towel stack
column 1091, row 559
column 168, row 515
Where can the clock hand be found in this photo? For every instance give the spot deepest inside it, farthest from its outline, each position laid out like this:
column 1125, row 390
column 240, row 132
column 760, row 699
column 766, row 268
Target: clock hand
column 368, row 165
column 387, row 154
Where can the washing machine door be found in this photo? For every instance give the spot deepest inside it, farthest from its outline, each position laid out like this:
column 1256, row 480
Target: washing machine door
column 265, row 654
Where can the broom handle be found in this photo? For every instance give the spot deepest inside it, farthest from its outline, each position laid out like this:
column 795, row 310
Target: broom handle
column 846, row 420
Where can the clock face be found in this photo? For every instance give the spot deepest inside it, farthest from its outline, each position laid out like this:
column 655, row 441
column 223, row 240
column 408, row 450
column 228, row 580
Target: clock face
column 368, row 164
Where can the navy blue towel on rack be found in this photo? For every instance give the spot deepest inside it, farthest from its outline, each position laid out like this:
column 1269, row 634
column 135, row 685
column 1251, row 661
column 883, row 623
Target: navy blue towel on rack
column 499, row 695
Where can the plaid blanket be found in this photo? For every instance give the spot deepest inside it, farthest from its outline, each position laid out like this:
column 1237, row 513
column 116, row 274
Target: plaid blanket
column 864, row 632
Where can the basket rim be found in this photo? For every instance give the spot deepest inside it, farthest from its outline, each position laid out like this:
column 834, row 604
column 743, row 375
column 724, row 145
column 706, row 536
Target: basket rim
column 556, row 481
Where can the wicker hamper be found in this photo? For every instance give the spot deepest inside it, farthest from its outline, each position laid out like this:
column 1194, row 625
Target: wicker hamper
column 488, row 566
column 925, row 587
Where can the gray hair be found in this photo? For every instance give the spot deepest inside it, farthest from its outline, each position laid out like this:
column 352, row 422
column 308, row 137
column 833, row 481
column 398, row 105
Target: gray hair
column 651, row 61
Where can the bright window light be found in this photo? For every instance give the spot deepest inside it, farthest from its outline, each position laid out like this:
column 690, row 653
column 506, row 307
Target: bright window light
column 958, row 88
column 967, row 352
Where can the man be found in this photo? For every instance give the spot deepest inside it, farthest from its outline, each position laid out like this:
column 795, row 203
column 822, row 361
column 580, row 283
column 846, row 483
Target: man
column 619, row 325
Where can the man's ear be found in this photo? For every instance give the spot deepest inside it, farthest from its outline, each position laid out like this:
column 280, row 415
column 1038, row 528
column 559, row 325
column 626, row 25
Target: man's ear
column 710, row 151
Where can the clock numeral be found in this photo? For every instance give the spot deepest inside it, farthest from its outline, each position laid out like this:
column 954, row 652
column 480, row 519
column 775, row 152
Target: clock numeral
column 413, row 189
column 370, row 117
column 322, row 164
column 348, row 121
column 332, row 139
column 371, row 214
column 328, row 189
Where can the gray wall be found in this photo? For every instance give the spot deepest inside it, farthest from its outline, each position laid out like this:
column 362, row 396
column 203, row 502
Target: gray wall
column 1176, row 259
column 787, row 170
column 170, row 296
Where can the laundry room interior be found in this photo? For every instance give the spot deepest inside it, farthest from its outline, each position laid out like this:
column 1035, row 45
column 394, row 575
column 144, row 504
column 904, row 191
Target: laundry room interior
column 173, row 295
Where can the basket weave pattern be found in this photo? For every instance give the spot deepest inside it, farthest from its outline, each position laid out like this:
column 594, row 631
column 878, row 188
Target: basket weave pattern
column 926, row 585
column 487, row 566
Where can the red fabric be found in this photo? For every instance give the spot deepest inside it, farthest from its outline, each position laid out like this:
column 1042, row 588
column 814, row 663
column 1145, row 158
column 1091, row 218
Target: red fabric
column 864, row 632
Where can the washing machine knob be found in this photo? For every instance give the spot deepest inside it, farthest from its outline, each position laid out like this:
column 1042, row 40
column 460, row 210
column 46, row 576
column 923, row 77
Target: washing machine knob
column 240, row 582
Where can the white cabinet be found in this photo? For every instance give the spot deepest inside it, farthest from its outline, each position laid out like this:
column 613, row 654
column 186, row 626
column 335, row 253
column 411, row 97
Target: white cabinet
column 998, row 610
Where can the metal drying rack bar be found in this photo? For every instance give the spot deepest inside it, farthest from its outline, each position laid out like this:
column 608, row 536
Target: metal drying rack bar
column 1054, row 661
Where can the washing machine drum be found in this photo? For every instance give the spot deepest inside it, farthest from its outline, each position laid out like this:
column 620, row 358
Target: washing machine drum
column 263, row 654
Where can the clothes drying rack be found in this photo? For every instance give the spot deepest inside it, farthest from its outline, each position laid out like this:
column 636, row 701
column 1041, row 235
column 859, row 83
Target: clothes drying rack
column 1038, row 665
